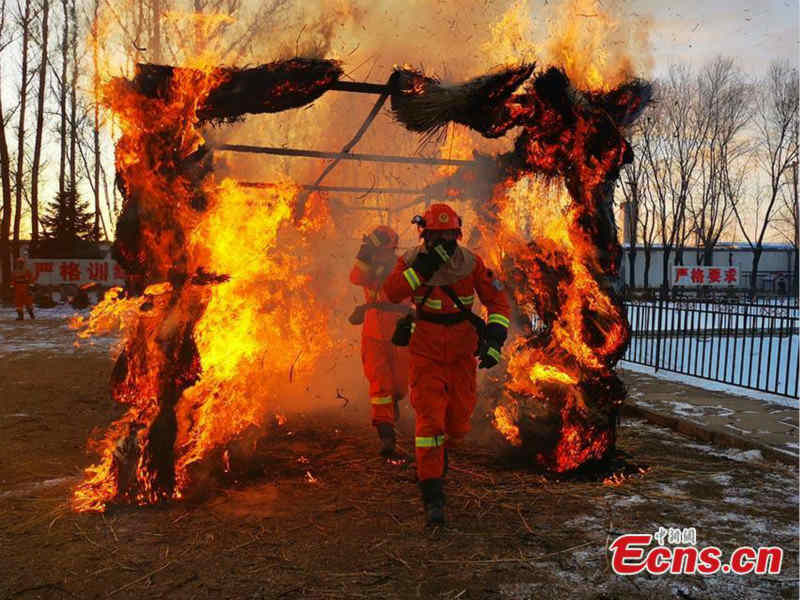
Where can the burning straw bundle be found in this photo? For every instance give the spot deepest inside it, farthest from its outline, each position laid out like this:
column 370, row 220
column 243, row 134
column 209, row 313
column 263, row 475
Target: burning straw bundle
column 424, row 105
column 562, row 396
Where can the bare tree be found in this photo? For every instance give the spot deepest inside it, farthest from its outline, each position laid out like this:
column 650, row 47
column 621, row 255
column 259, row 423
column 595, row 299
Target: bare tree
column 25, row 21
column 96, row 122
column 672, row 137
column 631, row 184
column 37, row 145
column 5, row 174
column 723, row 96
column 62, row 99
column 73, row 96
column 775, row 153
column 648, row 213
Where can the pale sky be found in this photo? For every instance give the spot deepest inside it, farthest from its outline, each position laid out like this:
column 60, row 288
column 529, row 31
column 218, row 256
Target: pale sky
column 694, row 31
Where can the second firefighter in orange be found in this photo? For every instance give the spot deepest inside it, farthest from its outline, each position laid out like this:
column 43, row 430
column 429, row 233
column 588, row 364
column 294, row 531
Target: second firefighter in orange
column 385, row 365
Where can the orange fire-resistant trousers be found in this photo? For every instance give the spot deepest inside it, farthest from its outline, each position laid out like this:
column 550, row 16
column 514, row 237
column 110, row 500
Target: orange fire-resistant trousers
column 386, row 369
column 443, row 397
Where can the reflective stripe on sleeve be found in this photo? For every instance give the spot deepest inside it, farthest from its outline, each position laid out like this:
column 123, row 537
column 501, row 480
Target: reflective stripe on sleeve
column 412, row 278
column 430, row 442
column 498, row 318
column 494, row 353
column 381, row 400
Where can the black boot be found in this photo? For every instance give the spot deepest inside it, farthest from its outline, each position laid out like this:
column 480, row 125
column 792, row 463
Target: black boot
column 433, row 497
column 388, row 439
column 20, row 315
column 30, row 312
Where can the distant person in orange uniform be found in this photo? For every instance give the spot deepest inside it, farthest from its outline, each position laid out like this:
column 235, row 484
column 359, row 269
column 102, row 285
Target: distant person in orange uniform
column 21, row 279
column 442, row 277
column 385, row 365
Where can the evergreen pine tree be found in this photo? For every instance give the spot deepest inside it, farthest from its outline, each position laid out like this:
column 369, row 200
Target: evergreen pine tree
column 68, row 224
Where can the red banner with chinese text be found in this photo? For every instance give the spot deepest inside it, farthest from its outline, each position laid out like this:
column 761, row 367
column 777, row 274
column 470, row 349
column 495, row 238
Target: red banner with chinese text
column 691, row 276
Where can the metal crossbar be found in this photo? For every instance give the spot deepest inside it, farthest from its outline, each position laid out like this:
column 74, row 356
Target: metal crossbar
column 416, row 160
column 343, row 189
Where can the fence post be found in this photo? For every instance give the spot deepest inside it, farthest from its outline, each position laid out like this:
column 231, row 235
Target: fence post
column 659, row 314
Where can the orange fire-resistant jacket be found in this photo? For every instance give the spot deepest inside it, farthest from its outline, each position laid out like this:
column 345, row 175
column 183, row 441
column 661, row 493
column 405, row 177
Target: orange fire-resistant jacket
column 466, row 275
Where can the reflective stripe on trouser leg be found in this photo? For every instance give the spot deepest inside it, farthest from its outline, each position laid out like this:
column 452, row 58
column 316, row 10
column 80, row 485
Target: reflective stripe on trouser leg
column 433, row 441
column 377, row 357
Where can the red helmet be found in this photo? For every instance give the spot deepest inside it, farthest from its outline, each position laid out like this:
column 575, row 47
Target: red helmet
column 384, row 236
column 438, row 217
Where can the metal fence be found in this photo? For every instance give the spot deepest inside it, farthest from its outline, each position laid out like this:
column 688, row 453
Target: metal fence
column 752, row 344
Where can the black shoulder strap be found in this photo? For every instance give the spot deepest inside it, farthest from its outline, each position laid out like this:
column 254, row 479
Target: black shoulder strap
column 454, row 297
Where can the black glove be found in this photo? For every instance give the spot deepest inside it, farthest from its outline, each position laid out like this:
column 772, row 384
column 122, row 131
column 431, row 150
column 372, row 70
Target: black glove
column 427, row 263
column 489, row 351
column 490, row 356
column 366, row 252
column 496, row 334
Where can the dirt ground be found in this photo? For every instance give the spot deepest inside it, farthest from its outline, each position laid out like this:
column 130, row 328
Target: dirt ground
column 320, row 516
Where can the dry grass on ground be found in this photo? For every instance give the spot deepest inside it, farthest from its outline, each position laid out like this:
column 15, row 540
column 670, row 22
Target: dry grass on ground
column 320, row 516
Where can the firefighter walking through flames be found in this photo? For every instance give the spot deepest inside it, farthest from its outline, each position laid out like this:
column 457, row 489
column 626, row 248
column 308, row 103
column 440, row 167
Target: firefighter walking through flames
column 385, row 365
column 22, row 279
column 444, row 339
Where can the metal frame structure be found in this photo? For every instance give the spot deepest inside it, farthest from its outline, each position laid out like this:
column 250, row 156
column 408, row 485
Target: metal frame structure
column 382, row 90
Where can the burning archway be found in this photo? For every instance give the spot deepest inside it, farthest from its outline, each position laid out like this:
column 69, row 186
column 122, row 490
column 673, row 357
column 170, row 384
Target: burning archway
column 200, row 319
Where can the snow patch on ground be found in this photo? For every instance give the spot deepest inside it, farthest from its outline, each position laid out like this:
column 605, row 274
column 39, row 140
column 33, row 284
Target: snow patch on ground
column 687, row 410
column 730, row 453
column 625, row 500
column 670, row 490
column 738, row 500
column 27, row 488
column 722, row 479
column 709, row 385
column 48, row 333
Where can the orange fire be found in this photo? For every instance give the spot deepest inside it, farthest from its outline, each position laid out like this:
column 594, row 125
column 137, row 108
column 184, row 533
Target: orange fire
column 552, row 235
column 208, row 352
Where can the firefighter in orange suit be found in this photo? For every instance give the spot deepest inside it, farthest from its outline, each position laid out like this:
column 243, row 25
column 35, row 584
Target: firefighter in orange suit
column 443, row 278
column 385, row 365
column 21, row 279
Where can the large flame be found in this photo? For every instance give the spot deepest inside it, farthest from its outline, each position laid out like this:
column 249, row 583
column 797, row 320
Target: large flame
column 207, row 352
